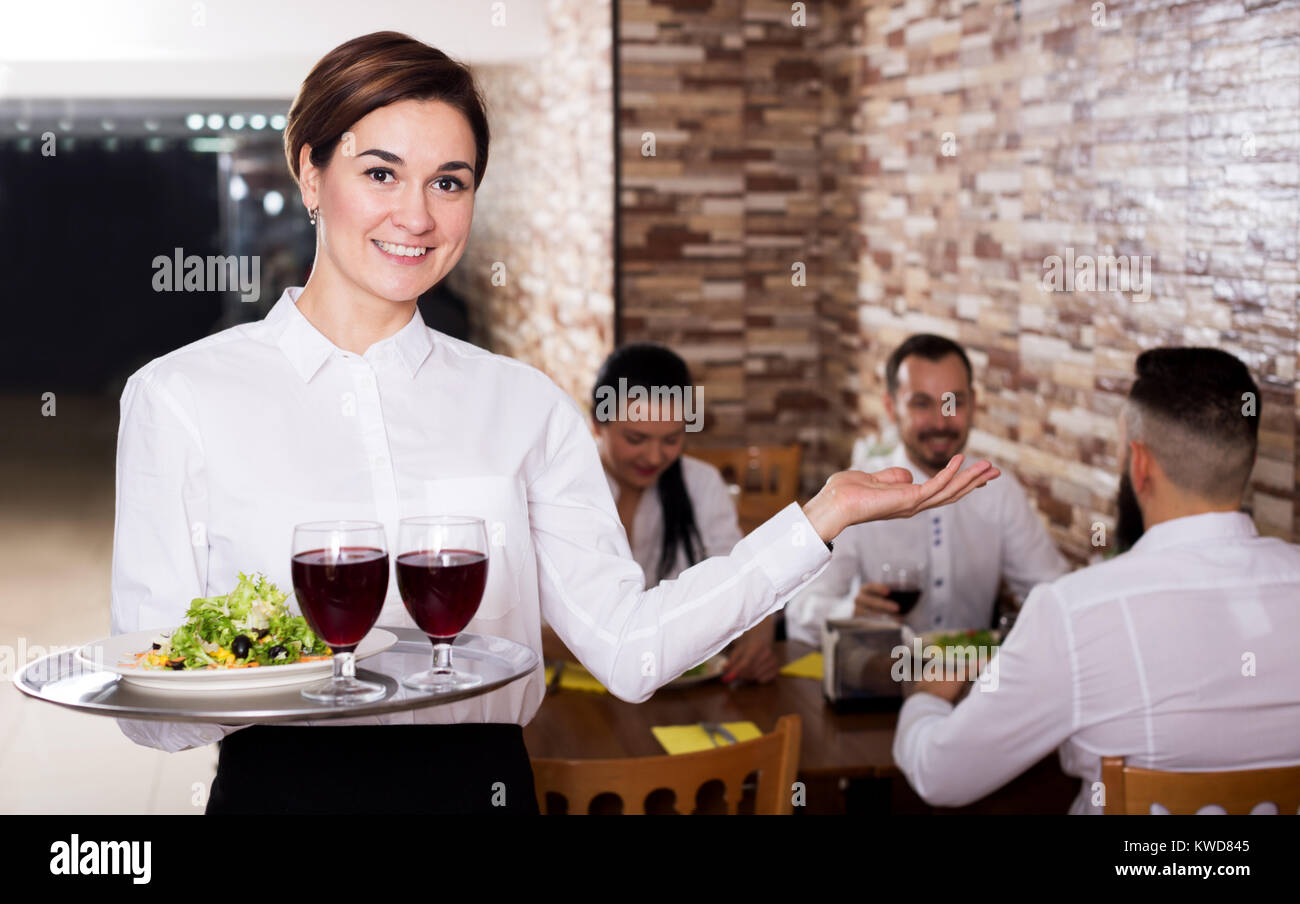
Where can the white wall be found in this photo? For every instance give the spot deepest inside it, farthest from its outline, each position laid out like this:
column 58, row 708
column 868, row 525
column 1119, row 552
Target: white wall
column 232, row 48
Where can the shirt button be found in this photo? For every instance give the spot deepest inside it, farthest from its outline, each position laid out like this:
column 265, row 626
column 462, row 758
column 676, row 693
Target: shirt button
column 938, row 582
column 938, row 619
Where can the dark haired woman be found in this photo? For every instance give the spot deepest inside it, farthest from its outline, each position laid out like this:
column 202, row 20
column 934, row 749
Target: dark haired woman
column 342, row 404
column 676, row 510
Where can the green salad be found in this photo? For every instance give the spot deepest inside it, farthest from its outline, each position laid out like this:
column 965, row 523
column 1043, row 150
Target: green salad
column 250, row 626
column 966, row 639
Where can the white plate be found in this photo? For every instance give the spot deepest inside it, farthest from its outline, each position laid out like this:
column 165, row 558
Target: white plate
column 713, row 668
column 117, row 655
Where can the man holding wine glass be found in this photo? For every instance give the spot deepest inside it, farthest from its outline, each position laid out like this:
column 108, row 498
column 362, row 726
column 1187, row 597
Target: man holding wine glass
column 940, row 570
column 341, row 405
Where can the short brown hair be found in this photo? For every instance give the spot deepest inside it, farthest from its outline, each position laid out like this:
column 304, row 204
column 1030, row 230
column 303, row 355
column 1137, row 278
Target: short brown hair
column 370, row 72
column 927, row 346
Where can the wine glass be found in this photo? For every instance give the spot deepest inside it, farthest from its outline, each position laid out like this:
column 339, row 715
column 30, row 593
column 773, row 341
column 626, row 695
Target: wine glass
column 441, row 571
column 340, row 577
column 905, row 576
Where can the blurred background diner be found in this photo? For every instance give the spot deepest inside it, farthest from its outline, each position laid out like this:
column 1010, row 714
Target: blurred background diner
column 780, row 196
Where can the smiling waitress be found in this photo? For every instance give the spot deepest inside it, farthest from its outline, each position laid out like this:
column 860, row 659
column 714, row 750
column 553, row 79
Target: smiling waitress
column 342, row 404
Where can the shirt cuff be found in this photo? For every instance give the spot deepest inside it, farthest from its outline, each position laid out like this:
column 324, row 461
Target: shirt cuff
column 788, row 549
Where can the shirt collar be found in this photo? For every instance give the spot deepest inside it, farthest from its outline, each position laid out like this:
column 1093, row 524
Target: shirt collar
column 1193, row 529
column 307, row 348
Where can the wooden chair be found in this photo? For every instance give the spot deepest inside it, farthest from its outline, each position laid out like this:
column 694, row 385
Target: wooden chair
column 768, row 477
column 1132, row 791
column 774, row 756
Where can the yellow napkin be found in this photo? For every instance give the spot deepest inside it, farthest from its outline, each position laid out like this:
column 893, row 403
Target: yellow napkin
column 576, row 678
column 692, row 738
column 810, row 666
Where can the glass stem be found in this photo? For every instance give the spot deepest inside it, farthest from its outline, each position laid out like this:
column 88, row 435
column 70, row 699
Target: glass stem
column 345, row 666
column 442, row 657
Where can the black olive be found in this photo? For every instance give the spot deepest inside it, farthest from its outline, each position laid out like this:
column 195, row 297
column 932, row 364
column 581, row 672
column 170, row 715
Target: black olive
column 240, row 646
column 261, row 634
column 276, row 651
column 177, row 665
column 157, row 646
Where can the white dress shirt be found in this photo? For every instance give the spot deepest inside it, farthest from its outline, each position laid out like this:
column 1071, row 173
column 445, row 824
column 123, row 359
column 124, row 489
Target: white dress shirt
column 1178, row 655
column 970, row 546
column 227, row 443
column 715, row 518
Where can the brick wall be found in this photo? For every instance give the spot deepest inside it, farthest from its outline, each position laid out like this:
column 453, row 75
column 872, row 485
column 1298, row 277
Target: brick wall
column 924, row 159
column 736, row 229
column 543, row 221
column 1170, row 132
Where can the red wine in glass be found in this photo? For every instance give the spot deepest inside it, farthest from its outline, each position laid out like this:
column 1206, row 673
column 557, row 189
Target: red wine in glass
column 340, row 577
column 442, row 564
column 341, row 594
column 442, row 590
column 905, row 597
column 906, row 578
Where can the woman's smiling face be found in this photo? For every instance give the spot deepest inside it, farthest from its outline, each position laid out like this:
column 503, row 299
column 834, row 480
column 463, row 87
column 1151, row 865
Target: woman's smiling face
column 397, row 198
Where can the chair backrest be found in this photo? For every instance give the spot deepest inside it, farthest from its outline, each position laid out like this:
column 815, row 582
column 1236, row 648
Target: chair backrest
column 774, row 756
column 1131, row 790
column 768, row 477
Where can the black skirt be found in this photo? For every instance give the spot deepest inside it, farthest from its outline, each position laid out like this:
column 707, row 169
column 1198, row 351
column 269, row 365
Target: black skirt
column 374, row 769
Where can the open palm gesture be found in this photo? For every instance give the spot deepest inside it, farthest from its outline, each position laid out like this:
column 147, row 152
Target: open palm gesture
column 852, row 497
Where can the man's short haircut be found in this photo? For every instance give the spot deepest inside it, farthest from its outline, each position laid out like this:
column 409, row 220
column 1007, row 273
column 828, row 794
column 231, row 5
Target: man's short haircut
column 1197, row 410
column 928, row 346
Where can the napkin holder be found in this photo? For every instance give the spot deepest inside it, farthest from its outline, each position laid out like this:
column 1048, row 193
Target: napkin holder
column 860, row 655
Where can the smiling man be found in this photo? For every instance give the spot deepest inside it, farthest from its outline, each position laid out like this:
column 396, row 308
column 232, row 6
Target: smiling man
column 967, row 549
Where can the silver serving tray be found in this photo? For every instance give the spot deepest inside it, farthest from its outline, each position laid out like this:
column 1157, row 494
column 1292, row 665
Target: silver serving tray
column 64, row 680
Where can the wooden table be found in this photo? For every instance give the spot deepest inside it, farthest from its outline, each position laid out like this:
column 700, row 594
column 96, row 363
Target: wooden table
column 845, row 759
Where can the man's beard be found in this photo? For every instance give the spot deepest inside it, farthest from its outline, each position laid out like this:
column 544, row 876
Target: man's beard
column 918, row 452
column 1129, row 526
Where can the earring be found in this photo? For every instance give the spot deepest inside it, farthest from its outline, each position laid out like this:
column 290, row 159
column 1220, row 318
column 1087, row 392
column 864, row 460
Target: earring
column 312, row 215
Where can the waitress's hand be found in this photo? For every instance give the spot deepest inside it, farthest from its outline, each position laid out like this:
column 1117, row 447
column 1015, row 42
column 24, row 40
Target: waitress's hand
column 752, row 657
column 853, row 497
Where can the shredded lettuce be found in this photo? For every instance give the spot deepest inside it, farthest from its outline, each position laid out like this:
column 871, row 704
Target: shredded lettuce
column 977, row 638
column 255, row 609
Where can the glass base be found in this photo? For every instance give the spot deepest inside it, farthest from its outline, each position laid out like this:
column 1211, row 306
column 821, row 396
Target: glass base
column 344, row 691
column 433, row 681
